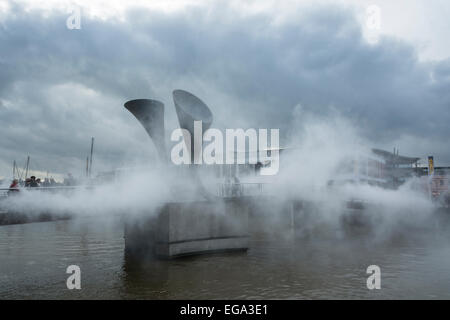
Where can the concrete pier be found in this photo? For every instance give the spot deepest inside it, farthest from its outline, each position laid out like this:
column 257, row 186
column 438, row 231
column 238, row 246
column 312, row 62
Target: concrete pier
column 187, row 228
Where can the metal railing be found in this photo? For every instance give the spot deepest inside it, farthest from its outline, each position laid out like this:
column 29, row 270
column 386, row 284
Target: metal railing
column 241, row 189
column 5, row 191
column 223, row 189
column 47, row 188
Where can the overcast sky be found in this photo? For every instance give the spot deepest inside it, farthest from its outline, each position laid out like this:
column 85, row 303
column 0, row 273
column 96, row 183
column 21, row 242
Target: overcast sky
column 252, row 62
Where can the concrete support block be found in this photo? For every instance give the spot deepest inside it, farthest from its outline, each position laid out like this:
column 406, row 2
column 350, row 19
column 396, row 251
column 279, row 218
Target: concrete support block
column 186, row 228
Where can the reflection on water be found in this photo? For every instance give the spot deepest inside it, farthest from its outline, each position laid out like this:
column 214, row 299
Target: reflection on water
column 34, row 258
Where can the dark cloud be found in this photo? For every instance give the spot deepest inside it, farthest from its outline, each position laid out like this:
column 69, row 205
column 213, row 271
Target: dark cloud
column 59, row 87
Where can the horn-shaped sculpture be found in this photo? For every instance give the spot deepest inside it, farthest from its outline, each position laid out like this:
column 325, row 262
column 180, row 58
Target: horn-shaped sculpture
column 150, row 114
column 189, row 109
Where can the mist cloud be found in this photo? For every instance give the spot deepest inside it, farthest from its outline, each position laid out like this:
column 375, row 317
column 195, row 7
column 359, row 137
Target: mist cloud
column 59, row 87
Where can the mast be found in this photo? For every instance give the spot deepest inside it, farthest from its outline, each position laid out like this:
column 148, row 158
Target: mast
column 14, row 169
column 28, row 164
column 92, row 151
column 87, row 166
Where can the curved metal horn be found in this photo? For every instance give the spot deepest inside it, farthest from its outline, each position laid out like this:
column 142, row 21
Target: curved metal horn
column 150, row 114
column 189, row 109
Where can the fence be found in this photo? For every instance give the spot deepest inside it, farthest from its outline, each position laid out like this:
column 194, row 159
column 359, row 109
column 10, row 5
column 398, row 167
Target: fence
column 241, row 189
column 4, row 191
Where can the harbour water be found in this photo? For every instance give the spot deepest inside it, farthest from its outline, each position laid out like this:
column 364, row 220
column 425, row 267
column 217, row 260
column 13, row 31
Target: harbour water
column 34, row 258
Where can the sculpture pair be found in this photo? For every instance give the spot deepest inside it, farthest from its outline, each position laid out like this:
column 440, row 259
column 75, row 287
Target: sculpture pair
column 189, row 108
column 150, row 114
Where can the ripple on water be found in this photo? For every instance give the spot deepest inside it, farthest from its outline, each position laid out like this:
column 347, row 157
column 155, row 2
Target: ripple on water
column 34, row 258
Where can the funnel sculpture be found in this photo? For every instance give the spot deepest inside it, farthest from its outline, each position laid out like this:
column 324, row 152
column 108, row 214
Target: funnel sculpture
column 189, row 109
column 219, row 224
column 150, row 114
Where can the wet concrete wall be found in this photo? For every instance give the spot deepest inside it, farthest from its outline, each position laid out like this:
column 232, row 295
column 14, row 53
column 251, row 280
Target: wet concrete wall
column 186, row 228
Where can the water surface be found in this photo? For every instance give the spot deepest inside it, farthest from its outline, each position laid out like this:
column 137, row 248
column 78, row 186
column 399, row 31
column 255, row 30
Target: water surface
column 34, row 258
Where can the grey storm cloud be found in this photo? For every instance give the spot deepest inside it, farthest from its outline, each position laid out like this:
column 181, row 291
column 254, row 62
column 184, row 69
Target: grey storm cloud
column 59, row 87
